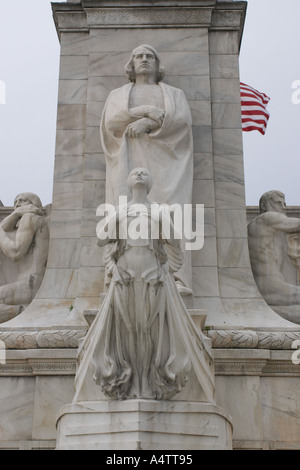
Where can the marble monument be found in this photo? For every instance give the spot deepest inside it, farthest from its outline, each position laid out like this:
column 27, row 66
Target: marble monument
column 242, row 390
column 143, row 344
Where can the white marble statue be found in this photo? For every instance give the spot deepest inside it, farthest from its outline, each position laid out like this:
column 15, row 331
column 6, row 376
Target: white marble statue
column 147, row 123
column 24, row 243
column 273, row 249
column 143, row 342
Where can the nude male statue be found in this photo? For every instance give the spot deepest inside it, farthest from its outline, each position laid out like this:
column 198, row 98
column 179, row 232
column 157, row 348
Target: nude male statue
column 24, row 243
column 266, row 253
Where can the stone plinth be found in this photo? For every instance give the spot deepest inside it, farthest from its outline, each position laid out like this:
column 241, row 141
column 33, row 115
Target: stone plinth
column 143, row 425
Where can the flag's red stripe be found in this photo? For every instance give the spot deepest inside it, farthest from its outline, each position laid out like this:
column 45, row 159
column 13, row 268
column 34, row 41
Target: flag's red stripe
column 251, row 104
column 256, row 92
column 255, row 115
column 253, row 128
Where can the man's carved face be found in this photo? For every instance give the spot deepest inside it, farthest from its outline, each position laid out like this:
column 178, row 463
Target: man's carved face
column 21, row 201
column 277, row 204
column 144, row 62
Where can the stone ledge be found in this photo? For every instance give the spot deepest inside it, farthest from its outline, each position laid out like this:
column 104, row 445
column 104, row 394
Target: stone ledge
column 42, row 339
column 265, row 445
column 252, row 339
column 39, row 362
column 138, row 14
column 143, row 425
column 28, row 445
column 266, row 363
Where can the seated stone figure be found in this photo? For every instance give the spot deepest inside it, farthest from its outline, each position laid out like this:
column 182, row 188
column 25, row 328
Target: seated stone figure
column 272, row 238
column 24, row 243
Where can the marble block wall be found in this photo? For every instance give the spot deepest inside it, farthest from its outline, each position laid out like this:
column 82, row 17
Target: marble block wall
column 199, row 44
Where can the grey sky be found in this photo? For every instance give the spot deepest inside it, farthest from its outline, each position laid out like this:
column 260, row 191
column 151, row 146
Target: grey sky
column 29, row 65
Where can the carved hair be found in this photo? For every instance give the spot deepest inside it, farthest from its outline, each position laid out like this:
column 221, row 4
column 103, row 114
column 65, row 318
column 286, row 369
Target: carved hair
column 150, row 180
column 266, row 197
column 32, row 199
column 129, row 67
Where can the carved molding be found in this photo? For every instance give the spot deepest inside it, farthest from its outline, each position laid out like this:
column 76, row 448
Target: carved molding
column 226, row 19
column 252, row 339
column 35, row 367
column 45, row 339
column 256, row 367
column 67, row 20
column 223, row 367
column 83, row 15
column 225, row 339
column 149, row 16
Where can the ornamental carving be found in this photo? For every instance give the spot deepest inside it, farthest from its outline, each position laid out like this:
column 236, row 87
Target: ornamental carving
column 138, row 16
column 44, row 339
column 67, row 20
column 252, row 339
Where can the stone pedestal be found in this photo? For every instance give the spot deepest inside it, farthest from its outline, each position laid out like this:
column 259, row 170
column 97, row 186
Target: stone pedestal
column 143, row 425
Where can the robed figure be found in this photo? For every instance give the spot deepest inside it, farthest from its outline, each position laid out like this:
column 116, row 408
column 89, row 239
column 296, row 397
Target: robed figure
column 148, row 124
column 143, row 342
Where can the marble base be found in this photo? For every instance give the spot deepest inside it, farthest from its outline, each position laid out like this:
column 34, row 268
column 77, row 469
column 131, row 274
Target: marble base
column 143, row 425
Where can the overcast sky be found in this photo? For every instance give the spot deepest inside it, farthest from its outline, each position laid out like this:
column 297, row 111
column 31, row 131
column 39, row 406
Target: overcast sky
column 29, row 64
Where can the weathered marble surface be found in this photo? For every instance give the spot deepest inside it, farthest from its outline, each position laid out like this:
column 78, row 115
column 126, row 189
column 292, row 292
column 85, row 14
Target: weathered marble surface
column 143, row 425
column 148, row 123
column 35, row 384
column 143, row 343
column 274, row 254
column 264, row 394
column 24, row 245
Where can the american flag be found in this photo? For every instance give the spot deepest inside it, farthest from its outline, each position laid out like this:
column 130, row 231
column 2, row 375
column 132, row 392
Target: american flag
column 255, row 115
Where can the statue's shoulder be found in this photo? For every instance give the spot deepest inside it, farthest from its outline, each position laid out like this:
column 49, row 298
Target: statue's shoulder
column 122, row 90
column 268, row 218
column 176, row 93
column 171, row 88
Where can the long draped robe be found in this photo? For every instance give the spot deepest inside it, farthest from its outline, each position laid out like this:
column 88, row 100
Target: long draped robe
column 139, row 353
column 167, row 152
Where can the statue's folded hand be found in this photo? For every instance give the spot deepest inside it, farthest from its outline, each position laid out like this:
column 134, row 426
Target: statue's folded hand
column 27, row 209
column 141, row 126
column 157, row 114
column 151, row 112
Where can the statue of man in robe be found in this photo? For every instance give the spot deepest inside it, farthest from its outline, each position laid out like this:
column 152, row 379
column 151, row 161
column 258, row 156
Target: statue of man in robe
column 148, row 124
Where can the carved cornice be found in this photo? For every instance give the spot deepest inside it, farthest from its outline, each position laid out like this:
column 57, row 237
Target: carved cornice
column 153, row 17
column 266, row 368
column 250, row 339
column 44, row 339
column 136, row 14
column 29, row 368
